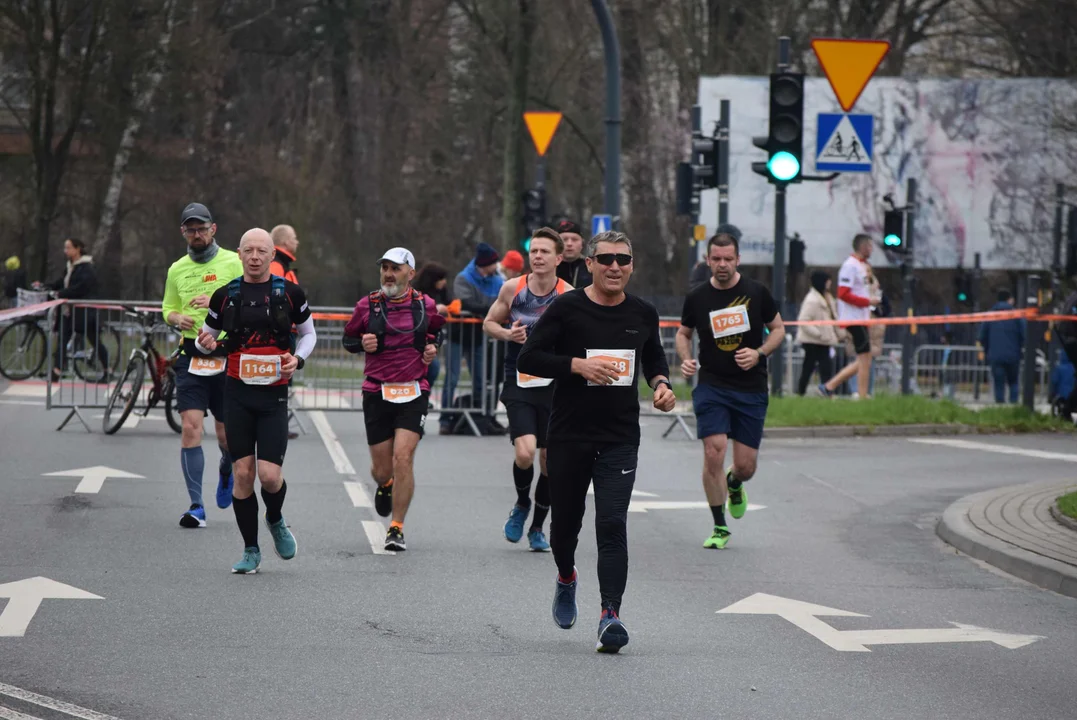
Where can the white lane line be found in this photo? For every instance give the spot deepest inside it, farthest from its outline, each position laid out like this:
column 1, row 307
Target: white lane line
column 375, row 531
column 375, row 534
column 9, row 714
column 359, row 497
column 52, row 704
column 341, row 463
column 1001, row 449
column 22, row 402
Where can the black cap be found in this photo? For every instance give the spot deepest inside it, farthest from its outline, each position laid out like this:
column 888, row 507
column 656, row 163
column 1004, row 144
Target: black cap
column 730, row 230
column 196, row 211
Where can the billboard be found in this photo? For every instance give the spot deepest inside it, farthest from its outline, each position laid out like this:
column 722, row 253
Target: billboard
column 987, row 155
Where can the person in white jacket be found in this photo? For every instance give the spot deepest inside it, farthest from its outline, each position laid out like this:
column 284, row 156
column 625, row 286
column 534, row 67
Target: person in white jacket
column 817, row 340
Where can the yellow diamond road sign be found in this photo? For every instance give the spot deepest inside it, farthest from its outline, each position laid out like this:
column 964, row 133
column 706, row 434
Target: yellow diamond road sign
column 849, row 65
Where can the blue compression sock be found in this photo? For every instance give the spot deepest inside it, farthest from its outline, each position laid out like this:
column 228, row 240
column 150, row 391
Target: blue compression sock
column 225, row 466
column 193, row 462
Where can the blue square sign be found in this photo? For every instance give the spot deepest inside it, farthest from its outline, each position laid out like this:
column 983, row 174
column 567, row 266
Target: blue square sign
column 601, row 224
column 843, row 143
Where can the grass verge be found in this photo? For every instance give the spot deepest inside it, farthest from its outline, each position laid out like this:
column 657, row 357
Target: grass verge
column 1067, row 504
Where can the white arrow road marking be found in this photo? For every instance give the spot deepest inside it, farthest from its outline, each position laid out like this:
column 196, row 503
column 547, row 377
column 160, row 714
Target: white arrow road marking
column 25, row 598
column 52, row 704
column 804, row 616
column 92, row 477
column 645, row 505
column 1001, row 449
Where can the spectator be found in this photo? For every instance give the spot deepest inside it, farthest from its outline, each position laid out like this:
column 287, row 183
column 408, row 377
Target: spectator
column 433, row 280
column 818, row 341
column 1002, row 341
column 947, row 375
column 285, row 247
column 1061, row 392
column 512, row 265
column 14, row 278
column 78, row 283
column 876, row 333
column 573, row 267
column 476, row 287
column 700, row 274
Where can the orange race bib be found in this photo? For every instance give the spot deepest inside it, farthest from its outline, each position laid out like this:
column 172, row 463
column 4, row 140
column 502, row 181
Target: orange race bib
column 206, row 366
column 730, row 321
column 400, row 392
column 259, row 369
column 531, row 381
column 624, row 360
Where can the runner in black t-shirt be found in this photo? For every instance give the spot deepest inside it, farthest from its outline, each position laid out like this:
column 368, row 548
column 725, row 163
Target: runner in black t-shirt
column 257, row 312
column 730, row 401
column 592, row 342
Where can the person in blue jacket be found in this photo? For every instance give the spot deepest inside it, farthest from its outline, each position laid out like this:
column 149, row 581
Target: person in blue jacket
column 1002, row 341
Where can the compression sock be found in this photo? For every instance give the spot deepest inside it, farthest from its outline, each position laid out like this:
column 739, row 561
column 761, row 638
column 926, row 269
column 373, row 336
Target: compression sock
column 274, row 502
column 718, row 511
column 193, row 462
column 542, row 502
column 522, row 479
column 225, row 466
column 247, row 518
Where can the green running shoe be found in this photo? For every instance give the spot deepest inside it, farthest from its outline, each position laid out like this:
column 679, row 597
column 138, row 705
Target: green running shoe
column 283, row 540
column 718, row 538
column 738, row 499
column 252, row 558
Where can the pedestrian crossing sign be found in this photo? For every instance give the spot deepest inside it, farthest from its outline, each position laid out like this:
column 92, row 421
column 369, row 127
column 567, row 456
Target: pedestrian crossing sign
column 843, row 142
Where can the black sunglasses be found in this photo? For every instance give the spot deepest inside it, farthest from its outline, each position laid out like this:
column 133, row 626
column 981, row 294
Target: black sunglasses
column 623, row 259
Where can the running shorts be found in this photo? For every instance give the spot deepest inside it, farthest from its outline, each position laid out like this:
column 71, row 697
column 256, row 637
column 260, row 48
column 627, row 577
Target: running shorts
column 198, row 392
column 738, row 415
column 256, row 420
column 384, row 418
column 861, row 340
column 528, row 410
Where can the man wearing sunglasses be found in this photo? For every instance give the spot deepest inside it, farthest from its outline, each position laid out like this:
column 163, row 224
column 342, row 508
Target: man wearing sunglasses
column 191, row 282
column 730, row 400
column 592, row 341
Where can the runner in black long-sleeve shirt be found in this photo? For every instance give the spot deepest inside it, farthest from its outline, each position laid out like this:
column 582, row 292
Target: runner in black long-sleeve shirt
column 589, row 341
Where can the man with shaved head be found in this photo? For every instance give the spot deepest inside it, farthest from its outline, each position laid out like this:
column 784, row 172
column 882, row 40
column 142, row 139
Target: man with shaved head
column 257, row 311
column 285, row 247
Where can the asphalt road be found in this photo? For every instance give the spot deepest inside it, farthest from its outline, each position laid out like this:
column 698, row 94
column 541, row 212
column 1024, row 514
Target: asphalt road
column 460, row 626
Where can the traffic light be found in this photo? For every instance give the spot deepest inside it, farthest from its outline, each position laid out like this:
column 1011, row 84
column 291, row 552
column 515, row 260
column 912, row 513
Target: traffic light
column 963, row 287
column 704, row 160
column 534, row 211
column 785, row 142
column 796, row 255
column 1071, row 243
column 894, row 230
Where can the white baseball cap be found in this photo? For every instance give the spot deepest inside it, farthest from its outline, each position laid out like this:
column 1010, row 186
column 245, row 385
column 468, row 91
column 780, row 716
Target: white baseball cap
column 399, row 256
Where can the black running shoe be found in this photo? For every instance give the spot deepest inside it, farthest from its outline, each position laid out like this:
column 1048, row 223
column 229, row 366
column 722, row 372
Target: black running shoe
column 383, row 500
column 394, row 539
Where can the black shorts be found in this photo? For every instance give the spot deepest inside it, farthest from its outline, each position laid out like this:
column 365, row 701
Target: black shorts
column 384, row 418
column 528, row 409
column 256, row 420
column 198, row 392
column 861, row 339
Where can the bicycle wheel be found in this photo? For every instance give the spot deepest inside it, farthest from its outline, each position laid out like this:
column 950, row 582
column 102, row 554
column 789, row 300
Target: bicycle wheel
column 169, row 393
column 132, row 381
column 86, row 363
column 23, row 347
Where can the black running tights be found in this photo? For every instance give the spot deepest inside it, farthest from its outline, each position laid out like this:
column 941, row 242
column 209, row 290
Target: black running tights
column 571, row 467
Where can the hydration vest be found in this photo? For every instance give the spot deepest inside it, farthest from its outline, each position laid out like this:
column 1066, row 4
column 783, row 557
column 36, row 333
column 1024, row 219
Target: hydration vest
column 377, row 323
column 280, row 315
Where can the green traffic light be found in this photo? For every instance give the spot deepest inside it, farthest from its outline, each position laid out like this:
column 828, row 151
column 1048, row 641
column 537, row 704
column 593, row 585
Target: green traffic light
column 526, row 243
column 892, row 240
column 962, row 297
column 783, row 166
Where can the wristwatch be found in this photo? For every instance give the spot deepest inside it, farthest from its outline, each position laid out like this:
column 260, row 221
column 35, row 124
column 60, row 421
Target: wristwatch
column 663, row 382
column 301, row 361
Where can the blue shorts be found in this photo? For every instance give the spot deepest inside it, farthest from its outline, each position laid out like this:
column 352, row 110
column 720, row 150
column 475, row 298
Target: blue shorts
column 197, row 392
column 740, row 415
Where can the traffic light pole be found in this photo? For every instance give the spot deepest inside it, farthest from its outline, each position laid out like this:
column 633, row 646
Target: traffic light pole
column 723, row 164
column 907, row 280
column 776, row 364
column 1032, row 335
column 613, row 110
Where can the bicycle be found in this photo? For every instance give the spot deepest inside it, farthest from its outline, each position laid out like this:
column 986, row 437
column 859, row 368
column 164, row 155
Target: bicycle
column 24, row 347
column 162, row 376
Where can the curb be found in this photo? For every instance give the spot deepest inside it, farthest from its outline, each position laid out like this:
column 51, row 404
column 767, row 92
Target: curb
column 845, row 431
column 1063, row 519
column 956, row 529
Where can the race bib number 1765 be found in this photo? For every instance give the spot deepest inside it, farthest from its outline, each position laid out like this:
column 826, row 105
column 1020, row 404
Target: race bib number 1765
column 730, row 321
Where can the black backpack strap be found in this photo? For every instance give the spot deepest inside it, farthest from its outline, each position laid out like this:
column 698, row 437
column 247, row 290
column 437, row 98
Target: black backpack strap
column 419, row 321
column 376, row 321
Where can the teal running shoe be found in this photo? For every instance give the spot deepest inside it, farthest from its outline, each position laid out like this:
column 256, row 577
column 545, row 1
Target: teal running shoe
column 283, row 540
column 252, row 558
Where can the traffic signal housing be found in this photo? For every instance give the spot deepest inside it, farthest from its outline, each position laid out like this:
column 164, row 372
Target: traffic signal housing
column 534, row 213
column 1071, row 242
column 894, row 230
column 784, row 142
column 963, row 287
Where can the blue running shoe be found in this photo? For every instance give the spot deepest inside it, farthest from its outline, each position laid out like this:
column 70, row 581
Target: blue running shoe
column 612, row 633
column 283, row 540
column 224, row 491
column 252, row 558
column 564, row 602
column 514, row 526
column 194, row 518
column 538, row 541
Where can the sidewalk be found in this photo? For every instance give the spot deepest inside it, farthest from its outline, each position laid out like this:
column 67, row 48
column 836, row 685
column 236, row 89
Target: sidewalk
column 1013, row 529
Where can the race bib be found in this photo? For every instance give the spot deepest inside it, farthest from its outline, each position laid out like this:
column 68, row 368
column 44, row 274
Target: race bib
column 531, row 381
column 624, row 360
column 730, row 321
column 259, row 369
column 206, row 366
column 400, row 392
